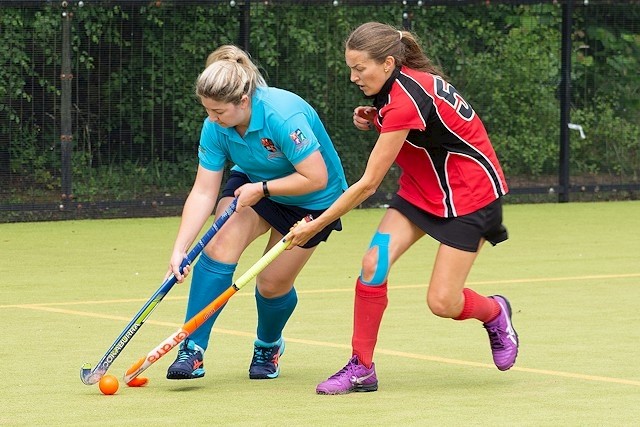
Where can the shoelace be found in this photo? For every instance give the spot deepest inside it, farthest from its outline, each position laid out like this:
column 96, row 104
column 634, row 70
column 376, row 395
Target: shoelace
column 262, row 354
column 348, row 369
column 495, row 338
column 185, row 354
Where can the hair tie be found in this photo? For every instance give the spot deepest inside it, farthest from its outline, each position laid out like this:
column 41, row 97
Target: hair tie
column 400, row 32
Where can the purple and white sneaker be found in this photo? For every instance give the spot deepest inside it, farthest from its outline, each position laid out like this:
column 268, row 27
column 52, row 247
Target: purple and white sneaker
column 502, row 337
column 353, row 377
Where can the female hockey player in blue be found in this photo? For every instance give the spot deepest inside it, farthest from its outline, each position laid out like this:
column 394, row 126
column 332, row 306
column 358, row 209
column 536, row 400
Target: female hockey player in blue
column 285, row 168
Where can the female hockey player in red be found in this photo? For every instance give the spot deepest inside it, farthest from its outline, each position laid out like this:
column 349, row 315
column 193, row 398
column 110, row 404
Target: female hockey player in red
column 450, row 188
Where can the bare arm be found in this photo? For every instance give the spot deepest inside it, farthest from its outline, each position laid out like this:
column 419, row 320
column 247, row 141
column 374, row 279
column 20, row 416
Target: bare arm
column 197, row 209
column 310, row 175
column 380, row 160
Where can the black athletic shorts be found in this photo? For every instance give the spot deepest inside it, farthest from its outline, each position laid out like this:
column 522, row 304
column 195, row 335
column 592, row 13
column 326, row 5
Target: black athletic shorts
column 279, row 216
column 462, row 232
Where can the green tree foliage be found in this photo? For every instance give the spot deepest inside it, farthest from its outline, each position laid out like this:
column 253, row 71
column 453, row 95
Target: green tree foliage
column 136, row 120
column 512, row 80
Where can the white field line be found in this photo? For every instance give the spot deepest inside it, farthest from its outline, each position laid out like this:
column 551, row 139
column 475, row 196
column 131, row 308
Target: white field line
column 350, row 289
column 415, row 356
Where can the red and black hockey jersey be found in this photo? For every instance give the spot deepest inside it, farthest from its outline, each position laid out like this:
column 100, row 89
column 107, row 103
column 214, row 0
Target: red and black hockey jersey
column 449, row 167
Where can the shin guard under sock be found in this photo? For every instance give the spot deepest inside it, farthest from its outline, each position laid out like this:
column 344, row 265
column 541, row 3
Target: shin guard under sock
column 210, row 278
column 273, row 314
column 478, row 307
column 369, row 306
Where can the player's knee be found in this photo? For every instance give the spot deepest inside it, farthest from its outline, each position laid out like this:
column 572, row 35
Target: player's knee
column 369, row 264
column 215, row 249
column 212, row 253
column 268, row 287
column 441, row 306
column 375, row 264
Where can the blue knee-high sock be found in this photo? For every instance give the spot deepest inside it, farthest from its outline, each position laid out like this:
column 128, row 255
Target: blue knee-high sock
column 273, row 314
column 210, row 278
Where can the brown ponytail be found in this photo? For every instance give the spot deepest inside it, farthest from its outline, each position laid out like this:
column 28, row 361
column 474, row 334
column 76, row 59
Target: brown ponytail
column 380, row 41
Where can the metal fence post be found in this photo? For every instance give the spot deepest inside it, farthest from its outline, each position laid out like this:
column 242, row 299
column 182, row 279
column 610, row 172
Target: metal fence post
column 66, row 135
column 245, row 26
column 565, row 101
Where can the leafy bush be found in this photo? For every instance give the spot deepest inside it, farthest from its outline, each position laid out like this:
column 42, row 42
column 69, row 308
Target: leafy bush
column 136, row 122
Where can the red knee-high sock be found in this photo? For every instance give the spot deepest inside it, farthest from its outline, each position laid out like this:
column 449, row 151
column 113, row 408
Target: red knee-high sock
column 478, row 307
column 370, row 303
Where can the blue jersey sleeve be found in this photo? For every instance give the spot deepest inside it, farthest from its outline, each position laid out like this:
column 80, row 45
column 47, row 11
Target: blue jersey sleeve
column 211, row 153
column 297, row 139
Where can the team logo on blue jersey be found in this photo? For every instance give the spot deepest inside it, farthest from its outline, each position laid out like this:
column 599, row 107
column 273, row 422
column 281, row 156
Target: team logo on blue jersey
column 271, row 148
column 297, row 137
column 268, row 144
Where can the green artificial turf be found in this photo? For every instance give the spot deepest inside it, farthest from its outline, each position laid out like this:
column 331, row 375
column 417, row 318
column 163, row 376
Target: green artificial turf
column 571, row 272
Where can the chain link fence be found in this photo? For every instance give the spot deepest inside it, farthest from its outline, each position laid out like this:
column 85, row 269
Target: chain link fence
column 98, row 117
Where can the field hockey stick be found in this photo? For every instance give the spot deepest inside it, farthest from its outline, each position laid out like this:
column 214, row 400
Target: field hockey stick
column 196, row 321
column 91, row 376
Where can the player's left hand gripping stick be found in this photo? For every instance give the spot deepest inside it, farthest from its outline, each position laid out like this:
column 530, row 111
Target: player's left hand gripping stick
column 196, row 321
column 91, row 376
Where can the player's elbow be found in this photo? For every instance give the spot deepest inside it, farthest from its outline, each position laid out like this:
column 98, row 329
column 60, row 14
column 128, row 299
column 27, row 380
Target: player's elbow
column 318, row 182
column 367, row 187
column 370, row 190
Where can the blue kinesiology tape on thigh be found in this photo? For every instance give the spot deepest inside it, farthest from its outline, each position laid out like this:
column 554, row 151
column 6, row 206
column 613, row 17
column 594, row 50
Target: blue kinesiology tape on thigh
column 382, row 268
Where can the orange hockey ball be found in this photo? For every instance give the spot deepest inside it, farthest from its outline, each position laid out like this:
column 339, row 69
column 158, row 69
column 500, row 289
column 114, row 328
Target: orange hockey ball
column 108, row 384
